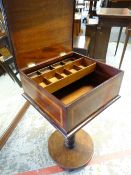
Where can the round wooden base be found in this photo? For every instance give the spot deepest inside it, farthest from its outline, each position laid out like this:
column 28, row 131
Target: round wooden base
column 71, row 158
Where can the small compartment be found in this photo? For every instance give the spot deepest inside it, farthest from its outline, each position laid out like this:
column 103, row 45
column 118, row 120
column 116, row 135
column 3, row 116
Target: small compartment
column 83, row 63
column 73, row 68
column 55, row 77
column 77, row 67
column 40, row 79
column 44, row 82
column 65, row 72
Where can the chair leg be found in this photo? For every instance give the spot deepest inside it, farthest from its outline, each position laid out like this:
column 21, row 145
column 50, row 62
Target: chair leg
column 7, row 70
column 95, row 4
column 124, row 49
column 90, row 9
column 118, row 40
column 2, row 66
column 15, row 77
column 12, row 75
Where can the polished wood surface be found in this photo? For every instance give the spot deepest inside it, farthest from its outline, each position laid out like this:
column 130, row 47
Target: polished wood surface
column 108, row 18
column 74, row 157
column 79, row 101
column 98, row 36
column 100, row 32
column 80, row 98
column 39, row 29
column 114, row 12
column 118, row 3
column 101, row 44
column 111, row 17
column 116, row 17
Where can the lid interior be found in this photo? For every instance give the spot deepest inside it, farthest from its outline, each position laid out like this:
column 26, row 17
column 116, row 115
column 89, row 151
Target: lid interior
column 39, row 29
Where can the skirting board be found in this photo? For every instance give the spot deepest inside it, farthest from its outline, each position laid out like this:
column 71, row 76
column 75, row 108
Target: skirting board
column 13, row 125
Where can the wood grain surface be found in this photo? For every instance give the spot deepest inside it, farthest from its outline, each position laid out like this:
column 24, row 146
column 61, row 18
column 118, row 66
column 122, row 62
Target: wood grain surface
column 39, row 29
column 73, row 104
column 74, row 158
column 114, row 12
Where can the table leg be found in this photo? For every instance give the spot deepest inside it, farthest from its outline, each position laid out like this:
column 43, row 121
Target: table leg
column 124, row 49
column 12, row 74
column 90, row 9
column 95, row 4
column 118, row 40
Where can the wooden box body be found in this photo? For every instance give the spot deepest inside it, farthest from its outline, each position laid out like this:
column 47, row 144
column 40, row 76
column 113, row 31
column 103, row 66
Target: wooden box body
column 73, row 94
column 75, row 104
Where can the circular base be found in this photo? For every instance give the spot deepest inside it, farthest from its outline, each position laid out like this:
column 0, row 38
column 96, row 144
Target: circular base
column 74, row 158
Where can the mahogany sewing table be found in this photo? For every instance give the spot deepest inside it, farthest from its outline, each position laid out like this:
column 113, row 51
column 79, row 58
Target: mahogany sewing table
column 67, row 88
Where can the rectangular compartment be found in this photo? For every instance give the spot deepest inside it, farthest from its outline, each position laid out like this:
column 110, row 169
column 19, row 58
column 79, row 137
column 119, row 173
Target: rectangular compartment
column 75, row 90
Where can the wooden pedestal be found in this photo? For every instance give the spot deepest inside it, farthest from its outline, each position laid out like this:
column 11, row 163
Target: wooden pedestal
column 73, row 152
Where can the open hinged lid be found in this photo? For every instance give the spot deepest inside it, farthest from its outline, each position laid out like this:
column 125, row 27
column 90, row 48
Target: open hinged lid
column 39, row 29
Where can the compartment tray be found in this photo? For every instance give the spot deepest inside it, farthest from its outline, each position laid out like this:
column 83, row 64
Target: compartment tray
column 64, row 75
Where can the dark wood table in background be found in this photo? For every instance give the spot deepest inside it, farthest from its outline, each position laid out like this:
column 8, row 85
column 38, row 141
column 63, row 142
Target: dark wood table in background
column 117, row 3
column 108, row 18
